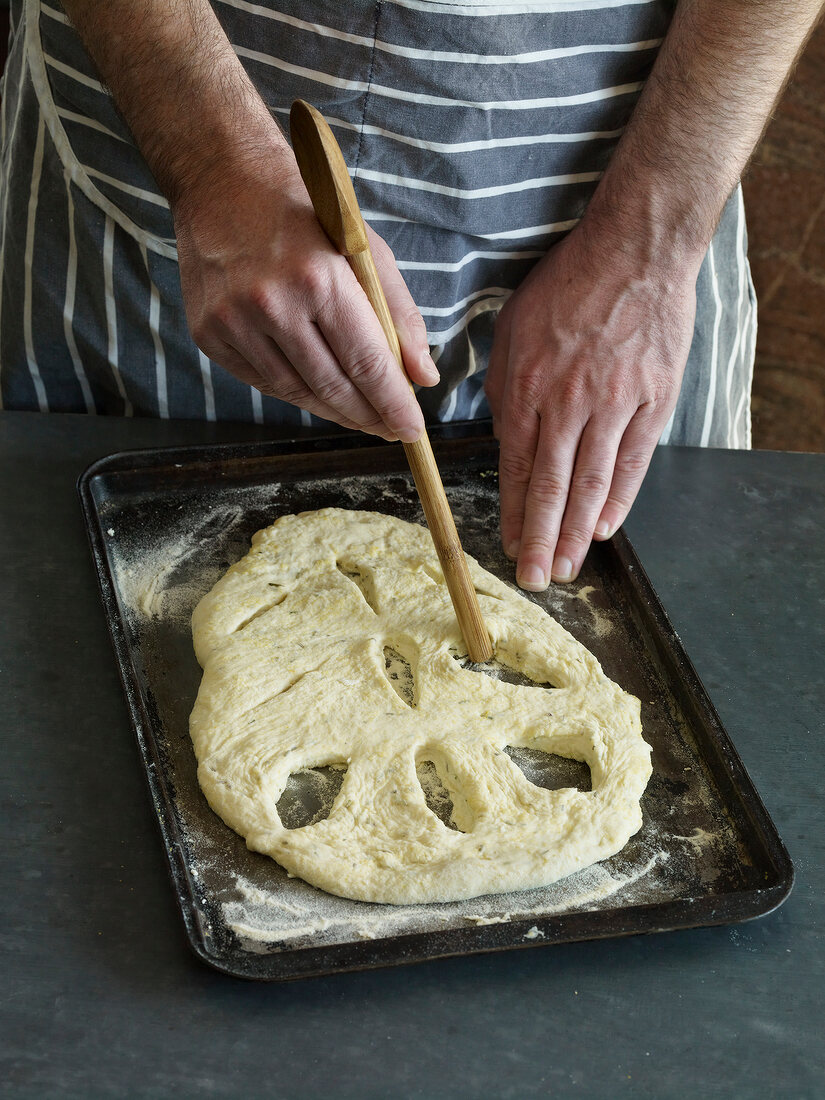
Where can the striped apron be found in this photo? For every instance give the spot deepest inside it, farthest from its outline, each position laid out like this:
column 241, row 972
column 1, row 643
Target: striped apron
column 475, row 134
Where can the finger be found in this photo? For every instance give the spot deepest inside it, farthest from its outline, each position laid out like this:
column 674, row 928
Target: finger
column 589, row 486
column 409, row 324
column 519, row 438
column 496, row 377
column 314, row 363
column 544, row 504
column 283, row 382
column 633, row 458
column 357, row 342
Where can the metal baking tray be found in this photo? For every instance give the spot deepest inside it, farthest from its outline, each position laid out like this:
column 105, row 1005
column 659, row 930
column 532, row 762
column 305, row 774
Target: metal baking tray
column 164, row 525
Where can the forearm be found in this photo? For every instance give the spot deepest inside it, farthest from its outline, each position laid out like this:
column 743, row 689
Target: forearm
column 718, row 75
column 180, row 87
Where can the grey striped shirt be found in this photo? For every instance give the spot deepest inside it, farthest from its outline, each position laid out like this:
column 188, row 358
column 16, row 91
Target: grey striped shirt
column 475, row 134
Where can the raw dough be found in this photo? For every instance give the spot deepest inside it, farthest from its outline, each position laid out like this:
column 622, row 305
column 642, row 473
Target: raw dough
column 292, row 642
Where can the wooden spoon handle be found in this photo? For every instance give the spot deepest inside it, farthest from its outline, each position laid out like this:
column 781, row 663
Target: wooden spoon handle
column 327, row 180
column 430, row 488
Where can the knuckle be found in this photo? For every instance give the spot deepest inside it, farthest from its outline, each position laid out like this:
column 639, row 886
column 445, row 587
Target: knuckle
column 413, row 322
column 314, row 282
column 201, row 334
column 291, row 392
column 367, row 368
column 632, row 462
column 574, row 391
column 332, row 391
column 515, row 467
column 616, row 399
column 538, row 546
column 262, row 299
column 575, row 538
column 592, row 482
column 532, row 388
column 549, row 489
column 220, row 317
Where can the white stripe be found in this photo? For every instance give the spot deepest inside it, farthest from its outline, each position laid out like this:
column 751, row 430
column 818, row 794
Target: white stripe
column 138, row 192
column 480, row 307
column 111, row 312
column 257, row 405
column 535, row 56
column 41, row 81
column 743, row 409
column 69, row 303
column 664, row 438
column 517, row 7
column 751, row 360
column 733, row 434
column 489, row 144
column 4, row 95
column 31, row 359
column 471, row 257
column 52, row 13
column 74, row 74
column 306, row 418
column 208, row 389
column 92, row 123
column 154, row 328
column 4, row 194
column 504, row 235
column 476, row 402
column 478, row 192
column 714, row 354
column 447, row 311
column 543, row 102
column 449, row 412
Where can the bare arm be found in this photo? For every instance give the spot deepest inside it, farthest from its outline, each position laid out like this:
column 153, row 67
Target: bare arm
column 265, row 293
column 581, row 393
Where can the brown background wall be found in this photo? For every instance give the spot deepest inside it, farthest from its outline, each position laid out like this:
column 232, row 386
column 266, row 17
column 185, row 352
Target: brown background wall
column 785, row 200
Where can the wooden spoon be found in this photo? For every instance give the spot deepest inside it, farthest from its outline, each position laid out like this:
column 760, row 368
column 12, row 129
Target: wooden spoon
column 325, row 174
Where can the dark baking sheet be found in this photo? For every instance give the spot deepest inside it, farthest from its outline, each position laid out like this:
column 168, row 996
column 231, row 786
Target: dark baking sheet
column 163, row 526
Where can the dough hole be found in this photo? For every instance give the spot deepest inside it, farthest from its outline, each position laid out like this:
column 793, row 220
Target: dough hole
column 309, row 794
column 442, row 796
column 496, row 670
column 436, row 794
column 549, row 770
column 362, row 581
column 400, row 675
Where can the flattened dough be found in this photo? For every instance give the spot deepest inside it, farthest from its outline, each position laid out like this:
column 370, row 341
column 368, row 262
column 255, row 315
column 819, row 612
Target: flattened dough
column 292, row 640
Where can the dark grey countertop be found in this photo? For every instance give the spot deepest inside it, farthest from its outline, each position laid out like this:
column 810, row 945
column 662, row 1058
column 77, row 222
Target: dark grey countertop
column 101, row 996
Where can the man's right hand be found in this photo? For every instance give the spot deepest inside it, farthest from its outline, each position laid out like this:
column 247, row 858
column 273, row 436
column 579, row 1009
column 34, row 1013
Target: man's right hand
column 266, row 294
column 269, row 298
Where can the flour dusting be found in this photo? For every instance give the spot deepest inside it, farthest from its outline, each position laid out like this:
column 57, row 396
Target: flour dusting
column 166, row 559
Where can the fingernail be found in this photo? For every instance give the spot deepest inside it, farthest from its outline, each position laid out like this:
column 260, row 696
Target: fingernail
column 562, row 569
column 533, row 578
column 428, row 363
column 410, row 435
column 602, row 529
column 513, row 549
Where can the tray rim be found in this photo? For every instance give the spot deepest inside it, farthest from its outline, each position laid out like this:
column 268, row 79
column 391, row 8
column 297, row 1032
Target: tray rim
column 574, row 926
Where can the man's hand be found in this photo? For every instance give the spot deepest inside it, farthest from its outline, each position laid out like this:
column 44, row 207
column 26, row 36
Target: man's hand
column 266, row 294
column 269, row 298
column 585, row 370
column 589, row 352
